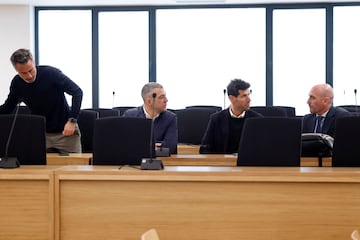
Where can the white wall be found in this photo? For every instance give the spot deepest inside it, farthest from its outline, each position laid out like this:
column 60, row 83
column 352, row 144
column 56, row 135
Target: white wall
column 16, row 31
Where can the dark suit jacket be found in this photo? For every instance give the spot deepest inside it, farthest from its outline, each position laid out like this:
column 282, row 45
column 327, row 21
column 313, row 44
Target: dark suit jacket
column 215, row 139
column 328, row 128
column 165, row 127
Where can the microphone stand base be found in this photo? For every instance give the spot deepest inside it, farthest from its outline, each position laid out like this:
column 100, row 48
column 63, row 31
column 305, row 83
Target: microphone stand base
column 10, row 162
column 162, row 152
column 151, row 164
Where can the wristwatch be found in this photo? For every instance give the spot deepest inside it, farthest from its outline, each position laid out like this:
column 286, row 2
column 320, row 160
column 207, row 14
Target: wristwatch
column 73, row 120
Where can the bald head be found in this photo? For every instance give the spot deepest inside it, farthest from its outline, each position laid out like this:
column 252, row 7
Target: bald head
column 320, row 98
column 323, row 90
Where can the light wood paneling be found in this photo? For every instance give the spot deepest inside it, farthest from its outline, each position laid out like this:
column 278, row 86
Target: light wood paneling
column 71, row 159
column 27, row 203
column 99, row 202
column 175, row 160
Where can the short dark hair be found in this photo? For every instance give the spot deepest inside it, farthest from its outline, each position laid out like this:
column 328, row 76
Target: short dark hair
column 235, row 85
column 21, row 56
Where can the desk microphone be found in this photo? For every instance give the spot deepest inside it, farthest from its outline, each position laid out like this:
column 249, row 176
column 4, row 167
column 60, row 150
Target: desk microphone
column 355, row 92
column 113, row 100
column 10, row 162
column 151, row 163
column 356, row 106
column 224, row 97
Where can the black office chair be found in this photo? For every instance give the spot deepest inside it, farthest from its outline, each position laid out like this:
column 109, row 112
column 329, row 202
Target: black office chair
column 173, row 110
column 86, row 122
column 216, row 108
column 346, row 148
column 270, row 141
column 289, row 111
column 270, row 111
column 122, row 141
column 122, row 109
column 353, row 109
column 192, row 123
column 27, row 141
column 106, row 112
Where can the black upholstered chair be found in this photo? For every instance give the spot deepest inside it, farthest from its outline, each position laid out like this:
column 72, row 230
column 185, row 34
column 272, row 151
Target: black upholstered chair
column 86, row 122
column 353, row 109
column 27, row 141
column 289, row 111
column 270, row 141
column 192, row 123
column 106, row 112
column 216, row 108
column 122, row 109
column 346, row 148
column 270, row 111
column 122, row 141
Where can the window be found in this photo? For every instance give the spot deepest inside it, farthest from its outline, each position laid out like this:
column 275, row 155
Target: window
column 200, row 50
column 346, row 55
column 298, row 56
column 123, row 58
column 65, row 43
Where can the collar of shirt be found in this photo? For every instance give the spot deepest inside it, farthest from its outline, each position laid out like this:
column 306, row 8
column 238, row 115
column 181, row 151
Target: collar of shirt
column 147, row 115
column 234, row 116
column 323, row 115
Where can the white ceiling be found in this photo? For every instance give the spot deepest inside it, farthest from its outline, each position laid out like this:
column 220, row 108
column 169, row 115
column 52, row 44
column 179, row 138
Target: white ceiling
column 150, row 2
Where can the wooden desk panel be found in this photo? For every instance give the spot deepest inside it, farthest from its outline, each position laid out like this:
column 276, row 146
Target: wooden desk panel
column 98, row 202
column 175, row 160
column 27, row 203
column 225, row 160
column 188, row 149
column 71, row 159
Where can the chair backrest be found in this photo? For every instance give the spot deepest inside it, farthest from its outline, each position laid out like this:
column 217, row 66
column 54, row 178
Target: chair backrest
column 122, row 141
column 106, row 112
column 192, row 123
column 150, row 235
column 86, row 122
column 346, row 148
column 353, row 109
column 216, row 108
column 270, row 111
column 270, row 141
column 355, row 235
column 27, row 141
column 290, row 111
column 122, row 109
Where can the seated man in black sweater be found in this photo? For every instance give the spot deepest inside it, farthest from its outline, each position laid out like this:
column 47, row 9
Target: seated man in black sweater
column 224, row 128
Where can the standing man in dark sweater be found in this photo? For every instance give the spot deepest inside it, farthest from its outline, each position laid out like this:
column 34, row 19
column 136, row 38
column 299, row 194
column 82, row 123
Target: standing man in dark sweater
column 224, row 128
column 42, row 89
column 165, row 122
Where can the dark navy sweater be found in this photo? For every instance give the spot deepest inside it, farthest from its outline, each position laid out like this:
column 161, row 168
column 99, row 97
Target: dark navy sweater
column 45, row 97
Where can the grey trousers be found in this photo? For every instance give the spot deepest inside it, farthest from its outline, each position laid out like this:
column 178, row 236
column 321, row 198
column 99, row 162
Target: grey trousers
column 71, row 144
